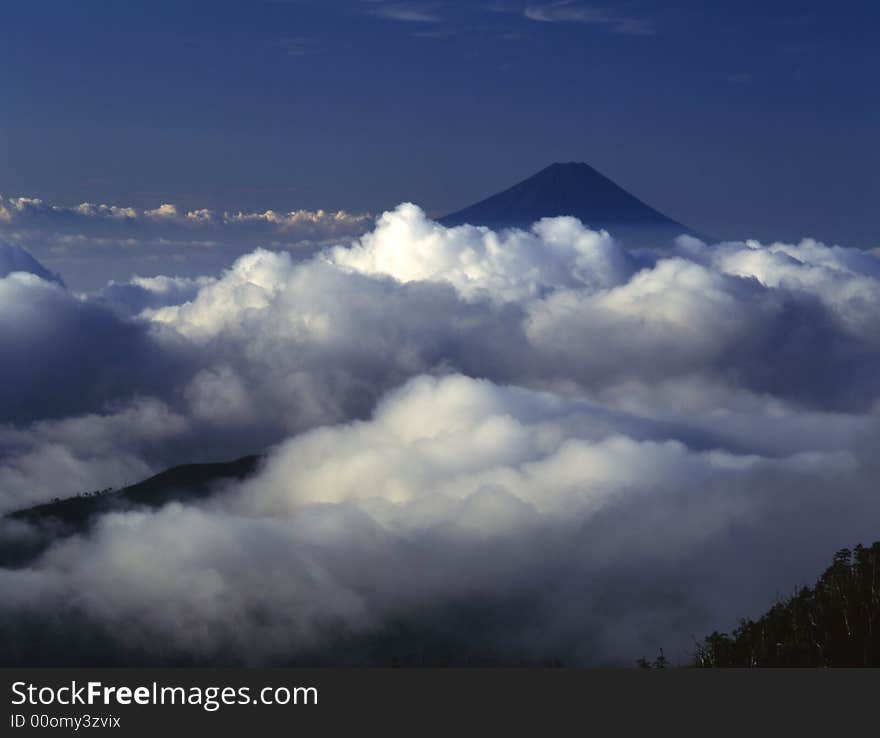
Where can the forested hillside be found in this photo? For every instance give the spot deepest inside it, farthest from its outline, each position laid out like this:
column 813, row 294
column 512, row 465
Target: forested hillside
column 836, row 622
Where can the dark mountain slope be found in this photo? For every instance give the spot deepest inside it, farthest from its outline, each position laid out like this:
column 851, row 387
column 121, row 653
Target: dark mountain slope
column 180, row 483
column 571, row 189
column 54, row 520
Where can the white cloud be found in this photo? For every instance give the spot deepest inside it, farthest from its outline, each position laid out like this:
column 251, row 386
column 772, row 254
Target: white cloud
column 90, row 210
column 165, row 210
column 511, row 266
column 202, row 215
column 621, row 443
column 457, row 489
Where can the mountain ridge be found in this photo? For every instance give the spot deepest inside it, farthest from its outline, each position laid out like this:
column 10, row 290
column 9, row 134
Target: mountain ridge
column 62, row 517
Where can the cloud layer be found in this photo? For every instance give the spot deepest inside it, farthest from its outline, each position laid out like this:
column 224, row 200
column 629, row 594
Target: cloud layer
column 93, row 243
column 523, row 446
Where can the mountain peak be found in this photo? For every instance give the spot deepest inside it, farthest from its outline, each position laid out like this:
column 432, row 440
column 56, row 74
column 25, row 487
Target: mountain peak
column 570, row 173
column 576, row 189
column 573, row 166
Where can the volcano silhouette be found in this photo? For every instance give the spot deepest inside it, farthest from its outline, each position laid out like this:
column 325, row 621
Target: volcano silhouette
column 578, row 190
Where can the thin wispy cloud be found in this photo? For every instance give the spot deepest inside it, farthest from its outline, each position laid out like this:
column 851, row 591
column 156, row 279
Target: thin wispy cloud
column 299, row 46
column 407, row 12
column 471, row 33
column 567, row 11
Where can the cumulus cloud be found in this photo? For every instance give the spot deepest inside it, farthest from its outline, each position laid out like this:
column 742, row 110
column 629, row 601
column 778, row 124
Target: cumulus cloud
column 511, row 266
column 64, row 355
column 142, row 293
column 520, row 446
column 20, row 209
column 165, row 210
column 90, row 210
column 457, row 492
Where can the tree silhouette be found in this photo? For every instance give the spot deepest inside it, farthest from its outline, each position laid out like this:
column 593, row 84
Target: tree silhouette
column 661, row 662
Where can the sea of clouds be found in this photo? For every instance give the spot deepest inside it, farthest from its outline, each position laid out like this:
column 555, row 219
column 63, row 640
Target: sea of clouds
column 523, row 447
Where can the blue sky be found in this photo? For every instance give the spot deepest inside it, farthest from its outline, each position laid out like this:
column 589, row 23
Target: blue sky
column 740, row 119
